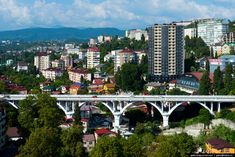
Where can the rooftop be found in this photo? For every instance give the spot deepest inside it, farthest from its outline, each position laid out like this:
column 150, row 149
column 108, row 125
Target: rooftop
column 93, row 49
column 88, row 138
column 219, row 143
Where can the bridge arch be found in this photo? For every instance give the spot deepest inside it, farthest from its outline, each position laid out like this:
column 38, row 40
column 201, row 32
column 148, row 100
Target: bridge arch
column 62, row 108
column 13, row 104
column 132, row 103
column 202, row 104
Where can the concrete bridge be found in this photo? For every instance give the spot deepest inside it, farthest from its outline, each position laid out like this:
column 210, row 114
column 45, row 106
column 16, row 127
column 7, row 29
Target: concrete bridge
column 118, row 104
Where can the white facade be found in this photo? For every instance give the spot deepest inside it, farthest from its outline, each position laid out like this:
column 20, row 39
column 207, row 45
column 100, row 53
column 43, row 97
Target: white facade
column 52, row 73
column 212, row 30
column 69, row 46
column 103, row 38
column 124, row 56
column 22, row 67
column 80, row 52
column 93, row 57
column 136, row 34
column 92, row 42
column 75, row 75
column 191, row 32
column 68, row 60
column 2, row 127
column 58, row 64
column 42, row 61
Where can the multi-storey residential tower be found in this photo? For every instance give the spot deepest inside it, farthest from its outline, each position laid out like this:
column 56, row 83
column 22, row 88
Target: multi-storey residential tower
column 212, row 30
column 42, row 61
column 165, row 51
column 93, row 57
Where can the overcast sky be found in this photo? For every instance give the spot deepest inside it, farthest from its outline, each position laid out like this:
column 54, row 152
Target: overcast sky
column 122, row 14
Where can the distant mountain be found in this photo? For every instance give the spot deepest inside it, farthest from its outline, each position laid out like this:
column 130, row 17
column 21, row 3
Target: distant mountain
column 39, row 34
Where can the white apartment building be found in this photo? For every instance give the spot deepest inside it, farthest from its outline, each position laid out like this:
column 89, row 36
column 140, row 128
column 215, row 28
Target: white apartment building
column 212, row 30
column 136, row 34
column 52, row 73
column 103, row 38
column 92, row 42
column 190, row 32
column 93, row 57
column 2, row 127
column 75, row 75
column 68, row 60
column 42, row 61
column 58, row 64
column 69, row 46
column 21, row 66
column 124, row 56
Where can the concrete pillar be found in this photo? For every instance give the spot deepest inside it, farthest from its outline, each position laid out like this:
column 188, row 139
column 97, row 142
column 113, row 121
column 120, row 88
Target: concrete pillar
column 165, row 119
column 116, row 123
column 152, row 111
column 218, row 108
column 212, row 107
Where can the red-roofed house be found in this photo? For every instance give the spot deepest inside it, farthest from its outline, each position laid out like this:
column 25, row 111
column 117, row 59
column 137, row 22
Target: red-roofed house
column 93, row 57
column 189, row 82
column 219, row 146
column 104, row 132
column 124, row 56
column 13, row 134
column 96, row 86
column 88, row 142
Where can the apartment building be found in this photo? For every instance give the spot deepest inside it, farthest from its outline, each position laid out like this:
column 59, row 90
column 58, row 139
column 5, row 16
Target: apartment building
column 165, row 51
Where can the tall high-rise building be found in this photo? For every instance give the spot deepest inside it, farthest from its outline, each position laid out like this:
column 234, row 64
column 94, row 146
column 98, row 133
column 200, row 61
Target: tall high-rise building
column 165, row 51
column 42, row 61
column 93, row 57
column 212, row 30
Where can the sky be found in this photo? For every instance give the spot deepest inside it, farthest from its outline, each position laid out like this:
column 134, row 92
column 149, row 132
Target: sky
column 122, row 14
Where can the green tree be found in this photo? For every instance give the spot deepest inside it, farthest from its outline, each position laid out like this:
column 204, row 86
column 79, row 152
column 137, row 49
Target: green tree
column 232, row 50
column 224, row 133
column 130, row 78
column 218, row 81
column 43, row 142
column 228, row 78
column 77, row 116
column 3, row 88
column 179, row 145
column 49, row 114
column 132, row 147
column 108, row 147
column 27, row 114
column 204, row 87
column 62, row 81
column 72, row 142
column 205, row 116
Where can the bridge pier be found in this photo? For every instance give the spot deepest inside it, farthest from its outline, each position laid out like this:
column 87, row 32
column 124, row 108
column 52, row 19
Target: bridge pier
column 116, row 123
column 165, row 118
column 218, row 107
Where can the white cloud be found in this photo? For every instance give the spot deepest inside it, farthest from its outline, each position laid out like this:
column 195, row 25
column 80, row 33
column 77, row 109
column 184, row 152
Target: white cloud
column 14, row 13
column 109, row 13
